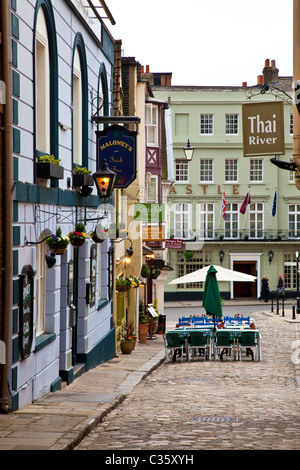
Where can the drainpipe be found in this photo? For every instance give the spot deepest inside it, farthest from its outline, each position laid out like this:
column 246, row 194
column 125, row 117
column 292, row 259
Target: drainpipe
column 4, row 408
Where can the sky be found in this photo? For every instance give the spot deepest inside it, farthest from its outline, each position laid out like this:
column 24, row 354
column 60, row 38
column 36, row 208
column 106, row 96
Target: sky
column 206, row 42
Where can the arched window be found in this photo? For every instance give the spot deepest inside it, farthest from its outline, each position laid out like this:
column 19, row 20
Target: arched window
column 102, row 104
column 45, row 80
column 80, row 117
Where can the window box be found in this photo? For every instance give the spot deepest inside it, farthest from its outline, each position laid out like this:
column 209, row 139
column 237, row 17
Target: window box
column 82, row 180
column 49, row 170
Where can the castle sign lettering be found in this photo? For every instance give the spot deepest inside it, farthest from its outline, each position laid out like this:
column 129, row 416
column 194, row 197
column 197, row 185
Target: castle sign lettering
column 263, row 129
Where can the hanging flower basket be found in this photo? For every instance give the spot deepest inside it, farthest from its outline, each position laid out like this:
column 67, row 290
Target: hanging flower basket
column 78, row 236
column 95, row 238
column 57, row 243
column 122, row 288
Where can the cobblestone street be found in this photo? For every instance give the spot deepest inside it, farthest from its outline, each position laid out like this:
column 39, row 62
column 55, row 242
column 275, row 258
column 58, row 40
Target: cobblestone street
column 214, row 405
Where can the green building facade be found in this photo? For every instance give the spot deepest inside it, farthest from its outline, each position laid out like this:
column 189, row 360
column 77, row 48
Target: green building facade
column 258, row 242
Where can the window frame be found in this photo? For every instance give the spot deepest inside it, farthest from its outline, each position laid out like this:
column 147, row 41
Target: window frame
column 206, row 124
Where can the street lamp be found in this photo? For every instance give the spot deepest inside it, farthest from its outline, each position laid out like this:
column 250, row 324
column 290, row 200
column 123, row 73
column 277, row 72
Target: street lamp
column 188, row 151
column 104, row 180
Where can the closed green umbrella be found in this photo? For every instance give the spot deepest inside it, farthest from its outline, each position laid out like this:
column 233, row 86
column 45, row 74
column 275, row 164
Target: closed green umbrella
column 211, row 295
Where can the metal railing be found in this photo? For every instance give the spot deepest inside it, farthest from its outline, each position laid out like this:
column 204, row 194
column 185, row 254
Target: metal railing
column 235, row 235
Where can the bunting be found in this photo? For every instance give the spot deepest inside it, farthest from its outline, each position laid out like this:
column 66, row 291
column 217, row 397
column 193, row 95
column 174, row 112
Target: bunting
column 223, row 205
column 274, row 207
column 246, row 201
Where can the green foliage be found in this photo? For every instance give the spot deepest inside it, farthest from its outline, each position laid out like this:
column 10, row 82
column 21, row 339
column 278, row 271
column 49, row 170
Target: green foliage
column 81, row 170
column 49, row 159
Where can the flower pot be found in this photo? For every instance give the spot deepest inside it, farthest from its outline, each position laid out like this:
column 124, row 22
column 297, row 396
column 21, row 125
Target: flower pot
column 49, row 170
column 82, row 180
column 97, row 239
column 143, row 331
column 58, row 250
column 122, row 288
column 134, row 338
column 77, row 241
column 127, row 346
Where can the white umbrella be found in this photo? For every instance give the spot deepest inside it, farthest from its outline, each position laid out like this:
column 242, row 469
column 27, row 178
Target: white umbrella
column 223, row 274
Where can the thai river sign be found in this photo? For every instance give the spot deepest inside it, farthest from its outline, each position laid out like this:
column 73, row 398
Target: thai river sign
column 263, row 129
column 118, row 146
column 26, row 310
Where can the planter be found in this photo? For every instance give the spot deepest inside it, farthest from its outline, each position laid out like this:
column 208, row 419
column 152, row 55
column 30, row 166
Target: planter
column 49, row 171
column 122, row 288
column 134, row 338
column 143, row 331
column 127, row 346
column 58, row 250
column 97, row 239
column 83, row 180
column 77, row 242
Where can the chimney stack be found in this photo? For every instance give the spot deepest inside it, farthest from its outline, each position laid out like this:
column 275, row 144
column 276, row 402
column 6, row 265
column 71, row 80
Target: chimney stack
column 270, row 72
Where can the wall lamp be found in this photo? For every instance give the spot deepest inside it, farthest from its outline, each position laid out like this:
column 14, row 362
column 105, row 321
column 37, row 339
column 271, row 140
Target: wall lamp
column 271, row 254
column 50, row 258
column 188, row 151
column 129, row 250
column 221, row 255
column 104, row 180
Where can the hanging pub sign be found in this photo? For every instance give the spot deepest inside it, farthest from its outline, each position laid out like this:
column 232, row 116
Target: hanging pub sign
column 118, row 146
column 26, row 310
column 263, row 129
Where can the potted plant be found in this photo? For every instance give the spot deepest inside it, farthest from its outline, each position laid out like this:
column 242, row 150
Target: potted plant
column 122, row 231
column 57, row 242
column 145, row 271
column 131, row 333
column 123, row 284
column 155, row 273
column 78, row 236
column 127, row 343
column 48, row 166
column 188, row 255
column 143, row 324
column 82, row 176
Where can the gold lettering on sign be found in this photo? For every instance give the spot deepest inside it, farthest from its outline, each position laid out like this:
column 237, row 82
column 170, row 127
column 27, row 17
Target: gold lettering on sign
column 188, row 189
column 235, row 189
column 219, row 189
column 204, row 186
column 172, row 190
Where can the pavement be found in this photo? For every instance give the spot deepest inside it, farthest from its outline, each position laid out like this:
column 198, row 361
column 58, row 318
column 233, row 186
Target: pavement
column 60, row 420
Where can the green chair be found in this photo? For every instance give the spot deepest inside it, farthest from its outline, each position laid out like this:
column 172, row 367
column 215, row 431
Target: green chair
column 198, row 340
column 248, row 340
column 223, row 340
column 173, row 343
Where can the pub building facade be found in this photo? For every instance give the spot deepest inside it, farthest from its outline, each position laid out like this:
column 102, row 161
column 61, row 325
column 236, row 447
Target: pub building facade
column 60, row 313
column 233, row 204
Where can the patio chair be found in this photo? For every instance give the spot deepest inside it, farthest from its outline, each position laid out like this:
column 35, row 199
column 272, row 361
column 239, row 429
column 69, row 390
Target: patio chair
column 198, row 340
column 248, row 340
column 224, row 341
column 173, row 343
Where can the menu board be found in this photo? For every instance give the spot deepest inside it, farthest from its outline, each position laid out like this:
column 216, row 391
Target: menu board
column 26, row 310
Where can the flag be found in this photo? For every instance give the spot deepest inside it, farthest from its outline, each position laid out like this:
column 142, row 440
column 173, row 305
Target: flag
column 246, row 201
column 274, row 203
column 223, row 205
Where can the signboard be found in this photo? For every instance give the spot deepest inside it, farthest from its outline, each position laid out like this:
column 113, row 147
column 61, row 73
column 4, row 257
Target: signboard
column 93, row 273
column 263, row 129
column 70, row 282
column 26, row 310
column 175, row 243
column 153, row 233
column 118, row 146
column 149, row 212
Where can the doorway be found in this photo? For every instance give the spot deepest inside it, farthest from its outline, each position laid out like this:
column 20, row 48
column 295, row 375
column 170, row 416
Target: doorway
column 245, row 289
